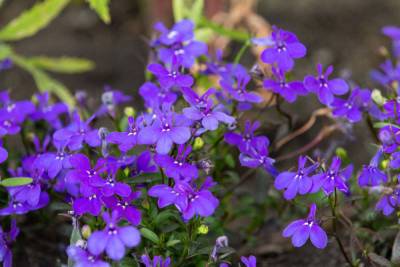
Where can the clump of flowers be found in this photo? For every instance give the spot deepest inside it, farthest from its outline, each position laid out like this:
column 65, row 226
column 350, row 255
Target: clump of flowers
column 152, row 185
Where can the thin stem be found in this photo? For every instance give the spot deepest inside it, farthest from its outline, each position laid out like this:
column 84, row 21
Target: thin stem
column 372, row 129
column 241, row 52
column 333, row 204
column 284, row 113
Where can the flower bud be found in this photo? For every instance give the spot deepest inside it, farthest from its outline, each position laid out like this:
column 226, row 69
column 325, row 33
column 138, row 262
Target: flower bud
column 198, row 143
column 202, row 230
column 86, row 231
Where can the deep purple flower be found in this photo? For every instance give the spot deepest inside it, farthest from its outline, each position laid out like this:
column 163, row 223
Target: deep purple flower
column 333, row 178
column 90, row 201
column 371, row 175
column 77, row 133
column 124, row 207
column 16, row 207
column 251, row 261
column 168, row 128
column 178, row 167
column 258, row 156
column 246, row 140
column 324, row 88
column 55, row 162
column 6, row 240
column 83, row 258
column 298, row 182
column 157, row 261
column 171, row 77
column 286, row 47
column 49, row 112
column 301, row 230
column 83, row 173
column 188, row 200
column 113, row 239
column 204, row 111
column 112, row 186
column 352, row 108
column 288, row 90
column 126, row 140
column 155, row 96
column 182, row 31
column 143, row 164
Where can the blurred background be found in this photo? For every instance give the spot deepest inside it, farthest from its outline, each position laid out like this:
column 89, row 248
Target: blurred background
column 345, row 33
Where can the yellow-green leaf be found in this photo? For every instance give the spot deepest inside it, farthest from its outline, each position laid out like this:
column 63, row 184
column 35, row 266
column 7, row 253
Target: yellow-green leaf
column 63, row 64
column 178, row 8
column 102, row 9
column 150, row 235
column 5, row 51
column 17, row 181
column 32, row 20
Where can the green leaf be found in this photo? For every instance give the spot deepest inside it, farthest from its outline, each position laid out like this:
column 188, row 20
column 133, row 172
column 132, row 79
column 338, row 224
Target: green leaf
column 5, row 51
column 196, row 11
column 150, row 235
column 44, row 82
column 381, row 124
column 62, row 64
column 172, row 243
column 16, row 181
column 102, row 9
column 178, row 8
column 74, row 238
column 32, row 20
column 236, row 35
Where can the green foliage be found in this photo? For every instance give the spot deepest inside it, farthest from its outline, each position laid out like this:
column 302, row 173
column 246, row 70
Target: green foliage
column 101, row 7
column 32, row 20
column 17, row 181
column 62, row 64
column 150, row 235
column 192, row 9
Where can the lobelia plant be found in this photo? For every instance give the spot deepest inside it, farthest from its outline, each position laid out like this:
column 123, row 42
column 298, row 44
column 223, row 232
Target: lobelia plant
column 156, row 189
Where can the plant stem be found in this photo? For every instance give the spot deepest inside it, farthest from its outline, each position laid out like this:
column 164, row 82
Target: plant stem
column 333, row 204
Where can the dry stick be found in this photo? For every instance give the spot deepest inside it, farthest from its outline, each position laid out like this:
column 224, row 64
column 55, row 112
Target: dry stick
column 325, row 132
column 311, row 121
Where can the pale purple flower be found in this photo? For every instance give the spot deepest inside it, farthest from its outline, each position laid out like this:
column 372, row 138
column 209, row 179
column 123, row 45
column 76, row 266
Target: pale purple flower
column 113, row 239
column 83, row 258
column 302, row 230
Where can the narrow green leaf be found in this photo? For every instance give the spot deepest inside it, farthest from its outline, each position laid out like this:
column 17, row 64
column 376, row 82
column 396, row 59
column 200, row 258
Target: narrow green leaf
column 16, row 181
column 74, row 238
column 178, row 8
column 236, row 35
column 196, row 11
column 102, row 9
column 32, row 20
column 44, row 82
column 150, row 235
column 5, row 51
column 62, row 64
column 172, row 243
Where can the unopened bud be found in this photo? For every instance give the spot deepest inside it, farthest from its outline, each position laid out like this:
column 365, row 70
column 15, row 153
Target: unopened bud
column 198, row 143
column 86, row 231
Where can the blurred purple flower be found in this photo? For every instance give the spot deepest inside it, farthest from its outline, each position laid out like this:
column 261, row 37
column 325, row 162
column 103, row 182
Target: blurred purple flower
column 83, row 258
column 371, row 175
column 157, row 261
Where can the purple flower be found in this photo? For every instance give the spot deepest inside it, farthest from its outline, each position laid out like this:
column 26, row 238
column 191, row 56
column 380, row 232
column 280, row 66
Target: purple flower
column 83, row 258
column 55, row 162
column 394, row 33
column 182, row 31
column 168, row 128
column 333, row 178
column 203, row 110
column 114, row 187
column 157, row 261
column 89, row 202
column 388, row 202
column 258, row 156
column 126, row 140
column 124, row 207
column 235, row 85
column 143, row 164
column 390, row 138
column 155, row 96
column 188, row 200
column 49, row 112
column 77, row 133
column 251, row 261
column 388, row 74
column 288, row 90
column 111, row 99
column 246, row 140
column 301, row 230
column 172, row 77
column 6, row 64
column 178, row 168
column 113, row 239
column 6, row 240
column 286, row 47
column 324, row 88
column 353, row 107
column 16, row 207
column 371, row 175
column 298, row 182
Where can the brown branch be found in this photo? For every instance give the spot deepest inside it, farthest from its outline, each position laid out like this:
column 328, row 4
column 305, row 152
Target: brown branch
column 325, row 132
column 311, row 121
